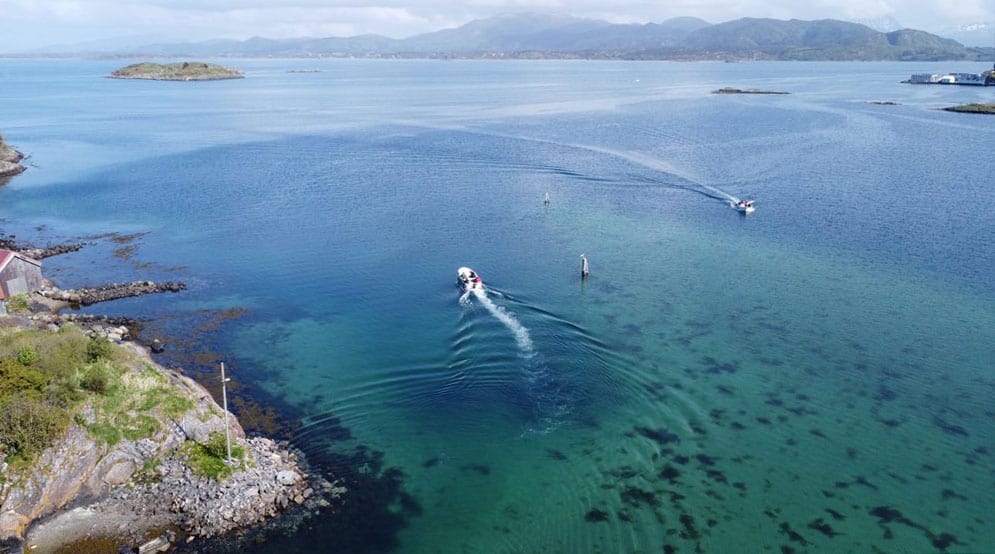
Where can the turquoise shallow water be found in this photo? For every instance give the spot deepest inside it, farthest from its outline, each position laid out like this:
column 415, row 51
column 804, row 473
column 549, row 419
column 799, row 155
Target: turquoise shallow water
column 816, row 377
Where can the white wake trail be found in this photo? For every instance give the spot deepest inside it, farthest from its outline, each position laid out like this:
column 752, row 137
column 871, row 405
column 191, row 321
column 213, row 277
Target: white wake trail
column 521, row 333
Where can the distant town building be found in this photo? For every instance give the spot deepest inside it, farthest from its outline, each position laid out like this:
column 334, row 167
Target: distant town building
column 19, row 274
column 978, row 79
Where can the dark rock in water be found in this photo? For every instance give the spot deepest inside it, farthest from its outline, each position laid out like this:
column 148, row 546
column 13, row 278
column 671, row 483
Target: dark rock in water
column 157, row 346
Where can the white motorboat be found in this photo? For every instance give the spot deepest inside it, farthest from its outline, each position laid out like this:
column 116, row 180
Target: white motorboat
column 744, row 206
column 469, row 280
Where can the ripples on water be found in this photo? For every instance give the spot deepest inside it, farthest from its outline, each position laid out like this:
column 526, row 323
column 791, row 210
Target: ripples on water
column 814, row 377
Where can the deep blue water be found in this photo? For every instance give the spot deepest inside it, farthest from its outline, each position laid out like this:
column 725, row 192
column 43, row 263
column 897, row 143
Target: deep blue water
column 817, row 376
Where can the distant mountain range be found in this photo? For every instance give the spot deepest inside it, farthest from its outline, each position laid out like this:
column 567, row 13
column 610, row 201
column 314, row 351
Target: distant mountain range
column 531, row 35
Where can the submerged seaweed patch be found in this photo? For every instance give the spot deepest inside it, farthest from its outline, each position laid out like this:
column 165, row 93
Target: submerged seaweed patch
column 596, row 515
column 792, row 534
column 822, row 527
column 555, row 454
column 949, row 428
column 714, row 367
column 670, row 473
column 689, row 532
column 836, row 515
column 705, row 459
column 887, row 514
column 661, row 436
column 635, row 496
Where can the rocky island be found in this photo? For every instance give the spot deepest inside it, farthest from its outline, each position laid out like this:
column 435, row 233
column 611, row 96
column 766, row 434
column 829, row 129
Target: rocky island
column 972, row 108
column 732, row 90
column 9, row 161
column 180, row 71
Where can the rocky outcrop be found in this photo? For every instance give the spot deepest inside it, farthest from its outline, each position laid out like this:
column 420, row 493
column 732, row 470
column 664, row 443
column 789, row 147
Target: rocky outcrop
column 93, row 295
column 9, row 161
column 38, row 252
column 122, row 491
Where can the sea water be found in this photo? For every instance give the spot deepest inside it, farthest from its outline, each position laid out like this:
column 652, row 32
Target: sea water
column 816, row 376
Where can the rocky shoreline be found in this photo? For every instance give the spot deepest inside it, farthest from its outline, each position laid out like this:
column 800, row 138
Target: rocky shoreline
column 85, row 492
column 140, row 473
column 38, row 252
column 9, row 161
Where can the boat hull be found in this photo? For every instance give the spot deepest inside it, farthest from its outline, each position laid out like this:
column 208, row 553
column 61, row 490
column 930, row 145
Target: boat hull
column 468, row 279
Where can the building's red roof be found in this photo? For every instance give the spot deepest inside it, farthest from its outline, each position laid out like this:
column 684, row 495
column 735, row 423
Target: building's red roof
column 6, row 256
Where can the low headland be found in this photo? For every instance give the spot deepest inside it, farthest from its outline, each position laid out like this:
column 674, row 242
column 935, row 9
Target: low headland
column 101, row 447
column 104, row 450
column 10, row 161
column 179, row 71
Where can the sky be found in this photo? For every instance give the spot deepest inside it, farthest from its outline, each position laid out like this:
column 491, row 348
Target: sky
column 29, row 24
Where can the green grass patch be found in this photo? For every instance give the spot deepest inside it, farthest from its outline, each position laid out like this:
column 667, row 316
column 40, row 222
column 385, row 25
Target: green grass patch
column 208, row 459
column 47, row 377
column 105, row 432
column 17, row 303
column 138, row 427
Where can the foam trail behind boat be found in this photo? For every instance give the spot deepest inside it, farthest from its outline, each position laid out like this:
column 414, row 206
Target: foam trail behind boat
column 520, row 332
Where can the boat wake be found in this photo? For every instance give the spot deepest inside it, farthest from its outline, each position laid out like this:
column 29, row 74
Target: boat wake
column 517, row 329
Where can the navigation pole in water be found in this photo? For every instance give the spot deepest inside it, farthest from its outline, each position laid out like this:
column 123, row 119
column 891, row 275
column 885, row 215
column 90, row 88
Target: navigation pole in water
column 584, row 268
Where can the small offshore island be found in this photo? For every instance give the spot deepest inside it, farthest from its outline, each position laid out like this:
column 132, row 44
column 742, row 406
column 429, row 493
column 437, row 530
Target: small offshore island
column 179, row 71
column 732, row 90
column 972, row 108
